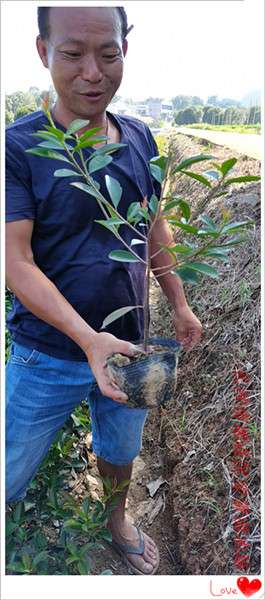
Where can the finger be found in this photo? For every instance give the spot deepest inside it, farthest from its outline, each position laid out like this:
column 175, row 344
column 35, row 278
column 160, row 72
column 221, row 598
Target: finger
column 110, row 388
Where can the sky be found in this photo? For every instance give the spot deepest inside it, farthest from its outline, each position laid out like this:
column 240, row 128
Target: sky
column 193, row 47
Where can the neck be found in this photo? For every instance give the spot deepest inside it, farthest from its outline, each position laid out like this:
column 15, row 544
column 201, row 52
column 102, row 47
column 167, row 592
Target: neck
column 65, row 117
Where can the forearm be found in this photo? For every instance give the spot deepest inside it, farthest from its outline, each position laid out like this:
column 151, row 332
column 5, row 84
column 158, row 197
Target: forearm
column 171, row 284
column 41, row 297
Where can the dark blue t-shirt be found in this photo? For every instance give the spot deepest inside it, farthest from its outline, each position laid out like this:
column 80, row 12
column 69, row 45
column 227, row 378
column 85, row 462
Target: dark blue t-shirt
column 68, row 246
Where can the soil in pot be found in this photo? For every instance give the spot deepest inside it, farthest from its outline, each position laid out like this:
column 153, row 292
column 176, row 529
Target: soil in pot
column 149, row 379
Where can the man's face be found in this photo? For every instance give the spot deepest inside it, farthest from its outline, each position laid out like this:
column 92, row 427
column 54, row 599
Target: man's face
column 84, row 54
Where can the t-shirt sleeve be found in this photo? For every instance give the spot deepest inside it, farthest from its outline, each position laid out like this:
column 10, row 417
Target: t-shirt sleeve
column 19, row 198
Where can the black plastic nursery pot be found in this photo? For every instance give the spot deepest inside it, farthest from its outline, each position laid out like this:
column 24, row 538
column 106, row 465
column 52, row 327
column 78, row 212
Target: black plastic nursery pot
column 150, row 379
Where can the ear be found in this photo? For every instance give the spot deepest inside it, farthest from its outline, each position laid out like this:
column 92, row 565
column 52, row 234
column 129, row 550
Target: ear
column 124, row 47
column 42, row 51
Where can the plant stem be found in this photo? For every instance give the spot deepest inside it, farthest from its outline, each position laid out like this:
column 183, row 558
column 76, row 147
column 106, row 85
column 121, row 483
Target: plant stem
column 147, row 294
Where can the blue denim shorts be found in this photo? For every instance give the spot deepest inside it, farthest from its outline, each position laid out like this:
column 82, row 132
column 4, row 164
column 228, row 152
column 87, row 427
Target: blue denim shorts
column 41, row 393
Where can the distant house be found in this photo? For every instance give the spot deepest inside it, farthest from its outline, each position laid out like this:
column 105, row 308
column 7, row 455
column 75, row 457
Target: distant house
column 166, row 109
column 142, row 109
column 154, row 107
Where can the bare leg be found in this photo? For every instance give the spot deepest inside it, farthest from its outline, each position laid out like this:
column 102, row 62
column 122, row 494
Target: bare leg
column 123, row 531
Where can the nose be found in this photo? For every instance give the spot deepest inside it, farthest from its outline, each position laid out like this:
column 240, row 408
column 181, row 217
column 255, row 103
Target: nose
column 91, row 71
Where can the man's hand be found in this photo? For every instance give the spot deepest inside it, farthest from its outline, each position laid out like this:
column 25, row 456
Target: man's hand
column 188, row 327
column 102, row 346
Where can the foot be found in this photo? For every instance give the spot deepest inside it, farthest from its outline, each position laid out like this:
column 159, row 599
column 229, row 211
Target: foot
column 128, row 534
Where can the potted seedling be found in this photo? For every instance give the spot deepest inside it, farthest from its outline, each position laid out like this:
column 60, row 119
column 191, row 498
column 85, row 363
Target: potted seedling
column 148, row 379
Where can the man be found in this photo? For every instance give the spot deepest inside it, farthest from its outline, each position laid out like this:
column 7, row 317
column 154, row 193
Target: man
column 63, row 281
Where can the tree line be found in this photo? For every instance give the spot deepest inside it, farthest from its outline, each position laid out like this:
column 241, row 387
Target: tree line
column 20, row 104
column 186, row 109
column 215, row 115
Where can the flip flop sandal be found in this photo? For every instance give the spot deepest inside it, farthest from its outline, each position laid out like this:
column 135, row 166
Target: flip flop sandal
column 124, row 549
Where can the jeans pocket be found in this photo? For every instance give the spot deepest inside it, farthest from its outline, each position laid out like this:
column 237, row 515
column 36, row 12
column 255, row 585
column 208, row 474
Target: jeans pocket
column 21, row 355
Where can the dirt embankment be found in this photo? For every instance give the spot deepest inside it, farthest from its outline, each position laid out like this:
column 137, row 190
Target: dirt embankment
column 196, row 436
column 182, row 489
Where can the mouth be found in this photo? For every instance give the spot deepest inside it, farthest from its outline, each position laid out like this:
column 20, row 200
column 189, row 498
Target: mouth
column 93, row 95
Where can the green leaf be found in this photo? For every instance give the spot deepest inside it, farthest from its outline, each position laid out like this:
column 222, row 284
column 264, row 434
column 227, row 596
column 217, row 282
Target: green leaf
column 243, row 179
column 105, row 535
column 217, row 253
column 17, row 567
column 191, row 161
column 40, row 557
column 117, row 314
column 72, row 559
column 26, row 560
column 184, row 226
column 19, row 512
column 187, row 275
column 82, row 568
column 234, row 242
column 133, row 212
column 172, row 204
column 76, row 125
column 98, row 162
column 106, row 572
column 66, row 173
column 184, row 206
column 123, row 256
column 153, row 204
column 143, row 212
column 114, row 188
column 204, row 268
column 89, row 133
column 10, row 527
column 57, row 132
column 45, row 135
column 160, row 161
column 231, row 227
column 90, row 143
column 86, row 505
column 209, row 222
column 86, row 188
column 72, row 524
column 205, row 232
column 110, row 148
column 180, row 249
column 156, row 172
column 111, row 224
column 198, row 177
column 227, row 165
column 47, row 154
column 52, row 144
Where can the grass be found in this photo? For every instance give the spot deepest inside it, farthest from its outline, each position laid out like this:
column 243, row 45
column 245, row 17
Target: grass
column 229, row 128
column 162, row 142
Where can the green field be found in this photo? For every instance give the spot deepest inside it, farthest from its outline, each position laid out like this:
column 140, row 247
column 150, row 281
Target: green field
column 232, row 128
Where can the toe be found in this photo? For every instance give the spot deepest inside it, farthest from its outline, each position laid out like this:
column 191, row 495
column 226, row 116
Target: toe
column 146, row 567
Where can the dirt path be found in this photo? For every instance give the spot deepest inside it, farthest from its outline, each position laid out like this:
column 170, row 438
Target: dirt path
column 245, row 143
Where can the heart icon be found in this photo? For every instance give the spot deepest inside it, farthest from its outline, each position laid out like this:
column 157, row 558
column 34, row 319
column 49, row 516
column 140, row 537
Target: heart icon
column 248, row 588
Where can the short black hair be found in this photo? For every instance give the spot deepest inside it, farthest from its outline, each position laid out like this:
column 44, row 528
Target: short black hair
column 44, row 26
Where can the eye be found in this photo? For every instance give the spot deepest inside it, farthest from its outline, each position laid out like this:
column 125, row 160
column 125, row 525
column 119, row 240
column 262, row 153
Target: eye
column 111, row 56
column 71, row 54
